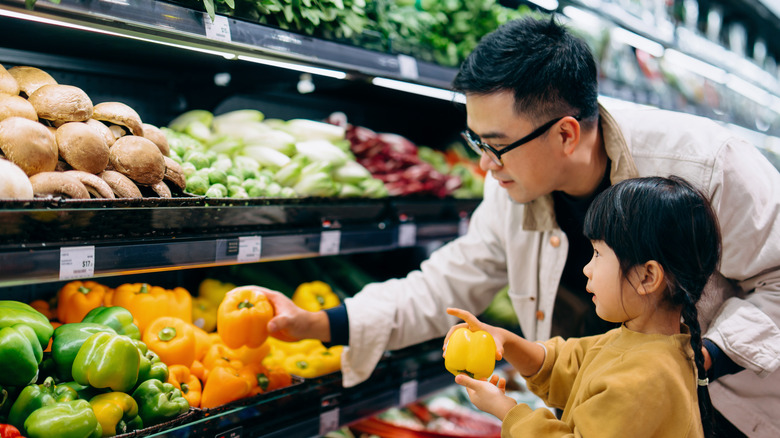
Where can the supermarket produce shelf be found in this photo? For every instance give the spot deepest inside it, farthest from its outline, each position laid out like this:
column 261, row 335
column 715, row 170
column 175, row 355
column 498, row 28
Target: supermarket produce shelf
column 50, row 240
column 321, row 404
column 171, row 24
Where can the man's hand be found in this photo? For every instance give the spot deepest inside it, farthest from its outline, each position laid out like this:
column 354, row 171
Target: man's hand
column 291, row 323
column 488, row 395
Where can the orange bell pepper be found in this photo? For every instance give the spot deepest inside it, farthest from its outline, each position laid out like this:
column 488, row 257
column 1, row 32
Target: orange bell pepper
column 220, row 355
column 266, row 378
column 202, row 342
column 249, row 355
column 172, row 339
column 44, row 307
column 77, row 298
column 225, row 384
column 108, row 298
column 189, row 385
column 242, row 318
column 198, row 370
column 148, row 303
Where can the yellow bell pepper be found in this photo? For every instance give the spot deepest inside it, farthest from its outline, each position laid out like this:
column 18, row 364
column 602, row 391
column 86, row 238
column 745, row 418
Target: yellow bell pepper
column 213, row 290
column 303, row 365
column 172, row 339
column 315, row 296
column 242, row 318
column 204, row 314
column 470, row 353
column 77, row 298
column 148, row 303
column 114, row 411
column 331, row 359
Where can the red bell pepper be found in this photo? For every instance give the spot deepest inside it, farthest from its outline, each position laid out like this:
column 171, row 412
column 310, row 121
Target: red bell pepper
column 8, row 431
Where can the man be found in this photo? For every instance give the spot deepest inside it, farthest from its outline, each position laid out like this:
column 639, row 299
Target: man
column 532, row 112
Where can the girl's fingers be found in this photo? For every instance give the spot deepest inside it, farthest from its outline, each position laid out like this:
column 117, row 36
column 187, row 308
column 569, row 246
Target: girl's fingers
column 468, row 382
column 470, row 319
column 502, row 384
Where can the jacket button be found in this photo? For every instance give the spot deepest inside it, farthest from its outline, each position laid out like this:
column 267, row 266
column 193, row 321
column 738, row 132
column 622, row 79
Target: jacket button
column 555, row 241
column 539, row 315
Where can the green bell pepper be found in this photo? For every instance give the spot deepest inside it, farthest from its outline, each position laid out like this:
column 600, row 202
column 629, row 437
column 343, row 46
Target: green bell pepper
column 20, row 354
column 70, row 419
column 34, row 397
column 68, row 339
column 114, row 411
column 151, row 366
column 118, row 318
column 107, row 360
column 85, row 392
column 159, row 402
column 15, row 312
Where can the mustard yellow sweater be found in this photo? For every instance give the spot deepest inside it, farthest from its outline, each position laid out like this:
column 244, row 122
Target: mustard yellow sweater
column 619, row 384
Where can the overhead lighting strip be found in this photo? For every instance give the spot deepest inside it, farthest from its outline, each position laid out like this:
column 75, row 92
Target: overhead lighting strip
column 423, row 90
column 337, row 74
column 53, row 22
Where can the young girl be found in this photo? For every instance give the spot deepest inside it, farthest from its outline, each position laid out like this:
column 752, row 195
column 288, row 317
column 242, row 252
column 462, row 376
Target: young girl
column 655, row 244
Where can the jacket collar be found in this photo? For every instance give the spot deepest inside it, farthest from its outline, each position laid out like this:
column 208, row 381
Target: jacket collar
column 539, row 214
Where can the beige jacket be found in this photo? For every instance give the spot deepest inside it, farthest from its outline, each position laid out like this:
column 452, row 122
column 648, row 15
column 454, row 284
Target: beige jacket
column 521, row 244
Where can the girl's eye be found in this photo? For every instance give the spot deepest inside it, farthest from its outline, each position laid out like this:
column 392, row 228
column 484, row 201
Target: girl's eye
column 595, row 252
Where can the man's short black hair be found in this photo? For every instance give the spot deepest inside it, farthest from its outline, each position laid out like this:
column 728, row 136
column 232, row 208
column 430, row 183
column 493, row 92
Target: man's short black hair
column 551, row 72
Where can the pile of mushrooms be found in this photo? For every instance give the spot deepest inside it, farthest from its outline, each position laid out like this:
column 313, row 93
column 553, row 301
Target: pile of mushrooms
column 56, row 143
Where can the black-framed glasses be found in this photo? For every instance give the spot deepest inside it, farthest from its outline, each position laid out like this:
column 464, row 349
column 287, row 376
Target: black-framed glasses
column 480, row 147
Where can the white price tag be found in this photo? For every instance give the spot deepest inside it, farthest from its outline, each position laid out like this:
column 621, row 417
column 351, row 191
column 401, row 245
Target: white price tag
column 408, row 392
column 219, row 29
column 329, row 421
column 330, row 242
column 407, row 235
column 408, row 67
column 463, row 226
column 249, row 248
column 77, row 262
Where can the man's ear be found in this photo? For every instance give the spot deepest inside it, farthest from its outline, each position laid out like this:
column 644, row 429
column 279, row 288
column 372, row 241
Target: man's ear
column 569, row 132
column 651, row 278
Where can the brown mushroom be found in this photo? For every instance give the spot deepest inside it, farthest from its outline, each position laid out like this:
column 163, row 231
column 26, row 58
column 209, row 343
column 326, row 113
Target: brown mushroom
column 61, row 103
column 157, row 137
column 116, row 131
column 118, row 113
column 28, row 144
column 58, row 184
column 174, row 174
column 14, row 183
column 16, row 106
column 82, row 147
column 122, row 186
column 162, row 190
column 8, row 84
column 101, row 128
column 30, row 79
column 96, row 186
column 138, row 158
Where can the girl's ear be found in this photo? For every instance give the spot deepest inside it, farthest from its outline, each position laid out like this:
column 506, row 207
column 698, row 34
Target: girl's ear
column 651, row 278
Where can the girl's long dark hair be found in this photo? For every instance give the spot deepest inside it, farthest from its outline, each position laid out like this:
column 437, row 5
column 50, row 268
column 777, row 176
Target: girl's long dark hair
column 669, row 221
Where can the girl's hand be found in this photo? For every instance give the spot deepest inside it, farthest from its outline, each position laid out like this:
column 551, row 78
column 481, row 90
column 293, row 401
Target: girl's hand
column 488, row 395
column 474, row 325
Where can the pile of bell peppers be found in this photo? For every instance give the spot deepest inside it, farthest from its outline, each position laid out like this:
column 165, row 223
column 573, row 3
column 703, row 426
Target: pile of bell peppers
column 96, row 377
column 306, row 358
